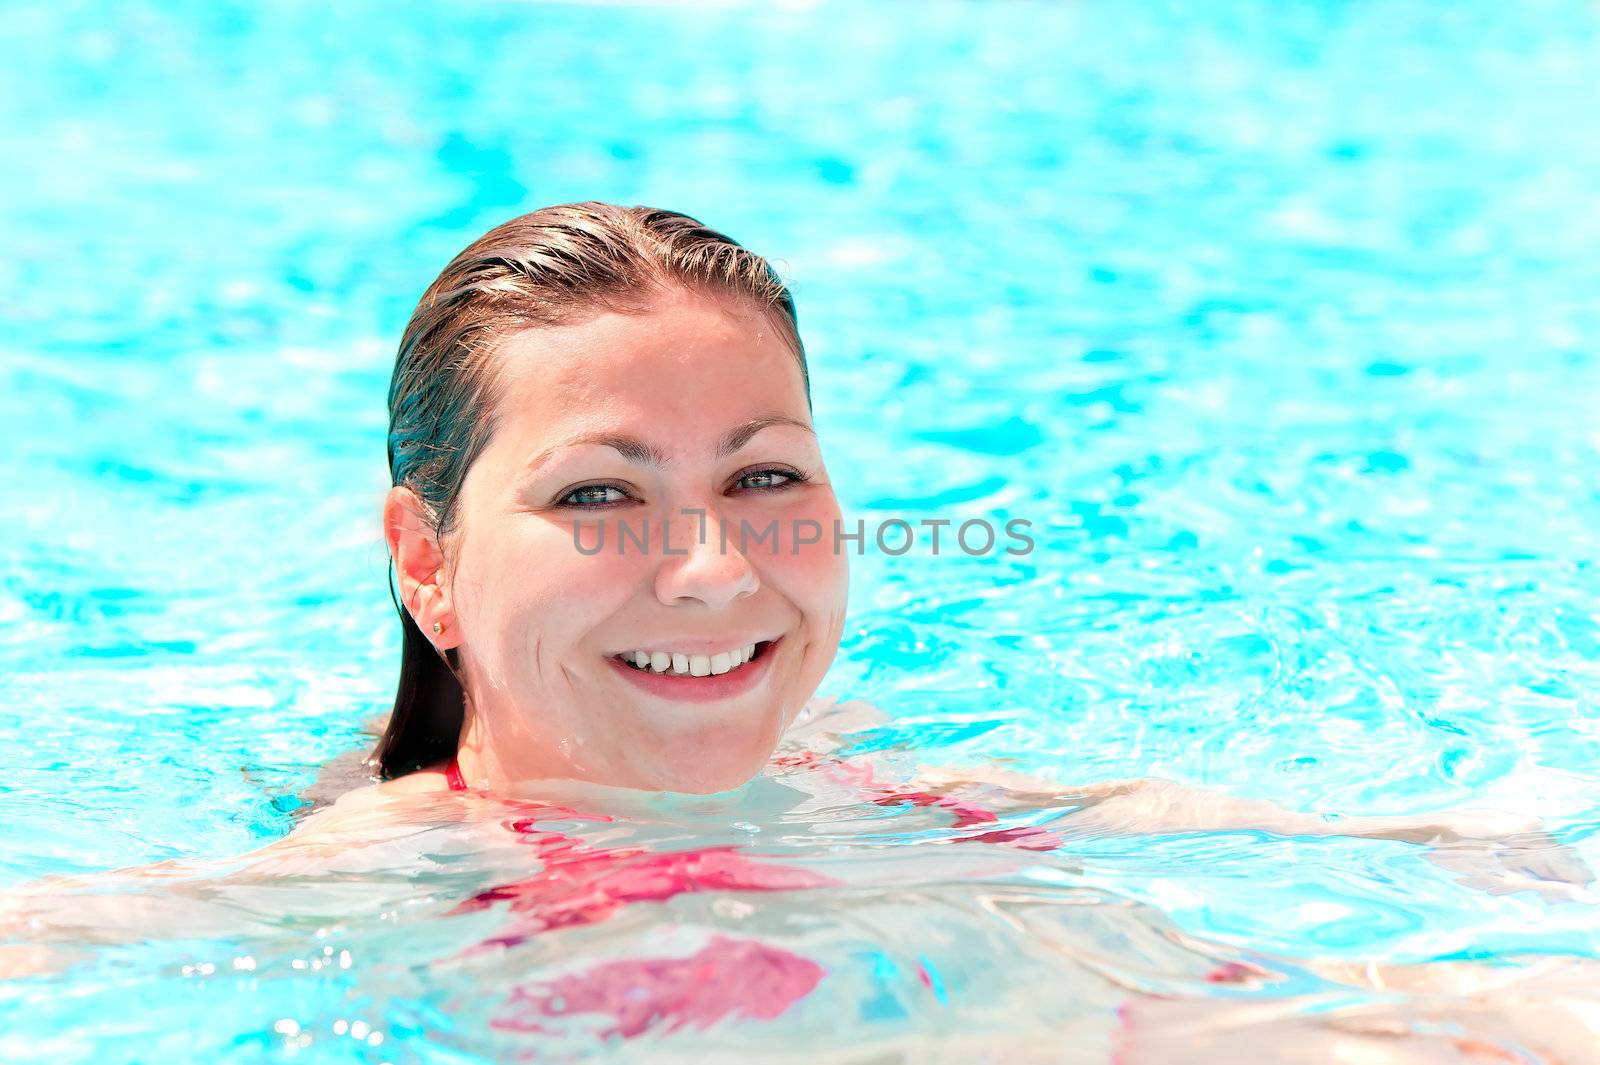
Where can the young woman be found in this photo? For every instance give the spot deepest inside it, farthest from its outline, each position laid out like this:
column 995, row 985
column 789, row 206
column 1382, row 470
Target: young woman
column 590, row 406
column 612, row 529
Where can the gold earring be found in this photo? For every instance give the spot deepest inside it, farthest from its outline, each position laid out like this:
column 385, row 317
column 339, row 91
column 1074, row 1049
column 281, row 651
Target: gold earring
column 437, row 628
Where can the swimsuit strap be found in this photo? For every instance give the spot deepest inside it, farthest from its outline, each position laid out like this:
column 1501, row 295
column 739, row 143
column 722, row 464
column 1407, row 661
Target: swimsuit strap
column 452, row 776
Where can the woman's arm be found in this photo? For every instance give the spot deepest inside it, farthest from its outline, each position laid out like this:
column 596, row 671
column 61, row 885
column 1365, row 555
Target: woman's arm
column 116, row 903
column 1521, row 1008
column 1496, row 851
column 1492, row 850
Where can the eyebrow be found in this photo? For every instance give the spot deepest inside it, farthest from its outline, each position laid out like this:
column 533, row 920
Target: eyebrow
column 643, row 454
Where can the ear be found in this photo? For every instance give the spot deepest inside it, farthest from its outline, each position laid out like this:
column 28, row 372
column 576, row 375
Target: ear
column 419, row 566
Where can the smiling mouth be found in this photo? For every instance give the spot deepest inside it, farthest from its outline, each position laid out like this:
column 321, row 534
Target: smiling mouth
column 676, row 664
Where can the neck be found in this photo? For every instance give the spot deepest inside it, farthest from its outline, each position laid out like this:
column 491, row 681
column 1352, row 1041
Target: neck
column 476, row 760
column 499, row 762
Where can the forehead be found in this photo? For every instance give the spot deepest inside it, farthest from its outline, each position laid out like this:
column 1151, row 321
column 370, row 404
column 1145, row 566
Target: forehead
column 685, row 363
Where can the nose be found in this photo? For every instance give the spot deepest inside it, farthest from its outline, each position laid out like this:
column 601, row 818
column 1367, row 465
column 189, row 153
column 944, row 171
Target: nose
column 700, row 566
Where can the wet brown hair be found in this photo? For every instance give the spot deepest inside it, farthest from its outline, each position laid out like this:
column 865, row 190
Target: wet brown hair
column 551, row 267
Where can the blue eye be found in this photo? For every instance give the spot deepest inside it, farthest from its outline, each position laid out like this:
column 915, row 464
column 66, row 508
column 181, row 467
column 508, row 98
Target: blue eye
column 769, row 479
column 601, row 496
column 592, row 495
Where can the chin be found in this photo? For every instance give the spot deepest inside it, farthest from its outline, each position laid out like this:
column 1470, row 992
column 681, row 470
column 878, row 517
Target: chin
column 707, row 780
column 708, row 760
column 710, row 786
column 703, row 779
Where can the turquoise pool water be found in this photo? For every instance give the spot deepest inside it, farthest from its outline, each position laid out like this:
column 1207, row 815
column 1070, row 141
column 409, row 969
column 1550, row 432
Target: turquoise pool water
column 1278, row 322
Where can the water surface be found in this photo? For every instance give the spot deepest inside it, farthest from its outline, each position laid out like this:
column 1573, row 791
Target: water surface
column 1278, row 324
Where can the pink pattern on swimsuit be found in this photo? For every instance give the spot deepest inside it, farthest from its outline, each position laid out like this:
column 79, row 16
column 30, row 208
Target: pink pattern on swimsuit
column 740, row 977
column 582, row 885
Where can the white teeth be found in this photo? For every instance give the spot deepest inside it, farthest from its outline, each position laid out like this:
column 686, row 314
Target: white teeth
column 690, row 665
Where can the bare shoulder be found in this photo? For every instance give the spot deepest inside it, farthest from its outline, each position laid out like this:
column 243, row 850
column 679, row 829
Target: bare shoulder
column 345, row 772
column 1025, row 786
column 370, row 804
column 421, row 782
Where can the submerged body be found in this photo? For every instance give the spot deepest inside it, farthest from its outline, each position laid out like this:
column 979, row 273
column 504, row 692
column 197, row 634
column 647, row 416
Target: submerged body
column 831, row 895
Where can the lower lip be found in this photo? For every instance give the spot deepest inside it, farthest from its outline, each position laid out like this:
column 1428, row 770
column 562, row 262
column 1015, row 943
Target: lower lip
column 707, row 689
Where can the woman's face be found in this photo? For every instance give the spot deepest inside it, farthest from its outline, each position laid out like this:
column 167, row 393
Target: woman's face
column 663, row 434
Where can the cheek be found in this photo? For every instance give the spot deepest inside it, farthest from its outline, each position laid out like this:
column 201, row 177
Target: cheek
column 815, row 577
column 524, row 584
